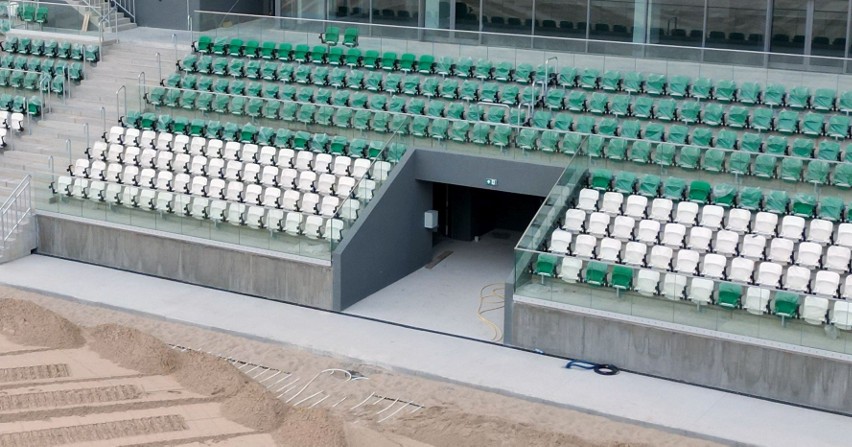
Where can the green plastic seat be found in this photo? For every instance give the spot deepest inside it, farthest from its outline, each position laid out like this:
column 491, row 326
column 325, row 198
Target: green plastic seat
column 725, row 90
column 541, row 119
column 483, row 69
column 689, row 112
column 509, row 94
column 594, row 146
column 616, row 149
column 488, row 92
column 204, row 44
column 776, row 145
column 739, row 163
column 500, row 136
column 576, row 101
column 750, row 198
column 689, row 157
column 776, row 202
column 567, row 77
column 468, row 90
column 823, row 99
column 589, row 78
column 429, row 87
column 749, row 93
column 666, row 110
column 830, row 209
column 725, row 139
column 701, row 88
column 828, row 150
column 774, row 94
column 842, row 175
column 737, row 117
column 584, row 124
column 803, row 205
column 77, row 50
column 595, row 273
column 649, row 186
column 622, row 277
column 187, row 99
column 713, row 115
column 388, row 61
column 444, row 66
column 751, row 142
column 607, row 127
column 625, row 182
column 655, row 84
column 479, row 134
column 352, row 58
column 838, row 127
column 812, row 124
column 285, row 72
column 699, row 191
column 350, row 37
column 802, row 147
column 799, row 98
column 817, row 172
column 787, row 122
column 714, row 160
column 548, row 142
column 335, row 56
column 640, row 152
column 449, row 89
column 786, row 304
column 372, row 60
column 844, row 103
column 642, row 107
column 571, row 143
column 459, row 131
column 163, row 123
column 611, row 80
column 562, row 121
column 664, row 154
column 619, row 106
column 791, row 169
column 764, row 166
column 631, row 129
column 677, row 134
column 678, row 86
column 674, row 188
column 155, row 96
column 284, row 51
column 654, row 132
column 463, row 67
column 761, row 120
column 301, row 139
column 426, row 64
column 723, row 194
column 526, row 139
column 730, row 295
column 545, row 265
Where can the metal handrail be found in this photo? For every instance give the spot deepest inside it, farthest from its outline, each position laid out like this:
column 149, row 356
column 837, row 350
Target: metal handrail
column 21, row 195
column 117, row 104
column 128, row 7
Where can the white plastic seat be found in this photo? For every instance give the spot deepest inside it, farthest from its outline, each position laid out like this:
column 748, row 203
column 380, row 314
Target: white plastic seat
column 837, row 259
column 233, row 170
column 820, row 231
column 216, row 188
column 198, row 207
column 269, row 176
column 726, row 243
column 333, row 229
column 322, row 163
column 255, row 216
column 147, row 158
column 163, row 202
column 674, row 235
column 574, row 220
column 266, row 156
column 584, row 246
column 234, row 191
column 274, row 219
column 129, row 175
column 701, row 291
column 686, row 213
column 647, row 282
column 164, row 160
column 699, row 239
column 826, row 283
column 328, row 206
column 309, row 203
column 598, row 224
column 844, row 235
column 218, row 210
column 713, row 266
column 674, row 286
column 781, row 250
column 741, row 270
column 609, row 250
column 197, row 145
column 560, row 242
column 661, row 210
column 248, row 153
column 112, row 193
column 634, row 254
column 96, row 190
column 180, row 144
column 792, row 227
column 130, row 155
column 344, row 187
column 146, row 198
column 16, row 121
column 635, row 206
column 814, row 310
column 841, row 315
column 271, row 196
column 753, row 247
column 360, row 167
column 569, row 269
column 846, row 291
column 380, row 171
column 231, row 150
column 98, row 150
column 115, row 135
column 306, row 181
column 325, row 184
column 131, row 136
column 622, row 228
column 129, row 195
column 96, row 170
column 285, row 157
column 287, row 178
column 769, row 274
column 290, row 200
column 147, row 139
column 661, row 257
column 756, row 300
column 80, row 168
column 738, row 220
column 113, row 172
column 313, row 226
column 612, row 202
column 215, row 148
column 251, row 173
column 765, row 224
column 236, row 213
column 809, row 255
column 588, row 200
column 711, row 216
column 198, row 185
column 797, row 278
column 180, row 163
column 252, row 194
column 293, row 224
column 687, row 262
column 364, row 190
column 648, row 231
column 114, row 153
column 164, row 141
column 180, row 183
column 349, row 209
column 146, row 177
column 341, row 165
column 198, row 165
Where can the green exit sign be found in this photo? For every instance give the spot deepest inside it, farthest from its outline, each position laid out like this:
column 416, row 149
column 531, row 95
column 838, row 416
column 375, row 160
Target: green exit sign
column 491, row 181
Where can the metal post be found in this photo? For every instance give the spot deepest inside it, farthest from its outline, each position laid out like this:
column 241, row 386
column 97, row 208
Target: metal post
column 68, row 149
column 547, row 71
column 142, row 83
column 117, row 105
column 86, row 130
column 159, row 66
column 174, row 43
column 103, row 118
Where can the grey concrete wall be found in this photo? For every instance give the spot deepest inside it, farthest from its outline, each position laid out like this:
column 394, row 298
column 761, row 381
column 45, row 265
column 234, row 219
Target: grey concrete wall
column 512, row 175
column 744, row 368
column 169, row 14
column 161, row 255
column 388, row 241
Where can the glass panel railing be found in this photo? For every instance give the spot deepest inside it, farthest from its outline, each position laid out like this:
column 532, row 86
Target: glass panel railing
column 82, row 19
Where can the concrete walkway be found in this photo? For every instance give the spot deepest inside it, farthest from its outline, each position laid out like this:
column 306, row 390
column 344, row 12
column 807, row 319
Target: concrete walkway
column 678, row 407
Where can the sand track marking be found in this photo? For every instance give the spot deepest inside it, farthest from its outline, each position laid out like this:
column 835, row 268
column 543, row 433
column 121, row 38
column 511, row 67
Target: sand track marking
column 72, row 397
column 36, row 372
column 94, row 432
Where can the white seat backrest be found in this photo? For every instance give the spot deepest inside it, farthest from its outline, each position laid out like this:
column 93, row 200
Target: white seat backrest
column 687, row 261
column 814, row 310
column 180, row 143
column 199, row 183
column 647, row 282
column 569, row 269
column 844, row 235
column 622, row 227
column 290, row 200
column 196, row 145
column 648, row 231
column 287, row 178
column 360, row 167
column 115, row 152
column 216, row 188
column 841, row 315
column 661, row 257
column 560, row 241
column 700, row 291
column 303, row 160
column 826, row 283
column 753, row 246
column 781, row 250
column 285, row 158
column 345, row 186
column 234, row 190
column 325, row 184
column 306, row 181
column 797, row 278
column 820, row 231
column 609, row 250
column 214, row 148
column 598, row 224
column 164, row 141
column 792, row 227
column 309, row 202
column 673, row 235
column 711, row 216
column 328, row 206
column 612, row 202
column 266, row 155
column 837, row 258
column 249, row 152
column 699, row 238
column 274, row 218
column 738, row 220
column 364, row 189
column 574, row 220
column 293, row 223
column 661, row 210
column 674, row 286
column 322, row 162
column 341, row 165
column 634, row 253
column 231, row 151
column 809, row 254
column 584, row 245
column 765, row 224
column 333, row 229
column 588, row 200
column 636, row 206
column 769, row 274
column 756, row 300
column 686, row 213
column 741, row 269
column 713, row 265
column 726, row 242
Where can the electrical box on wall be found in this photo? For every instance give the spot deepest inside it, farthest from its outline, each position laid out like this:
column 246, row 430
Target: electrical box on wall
column 430, row 220
column 491, row 182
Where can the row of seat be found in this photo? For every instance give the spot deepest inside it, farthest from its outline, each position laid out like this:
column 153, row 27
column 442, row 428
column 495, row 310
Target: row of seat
column 32, row 81
column 51, row 49
column 19, row 104
column 255, row 216
column 32, row 13
column 702, row 291
column 749, row 198
column 73, row 70
column 268, row 49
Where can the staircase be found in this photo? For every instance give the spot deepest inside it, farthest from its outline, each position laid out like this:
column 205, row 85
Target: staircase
column 114, row 22
column 30, row 151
